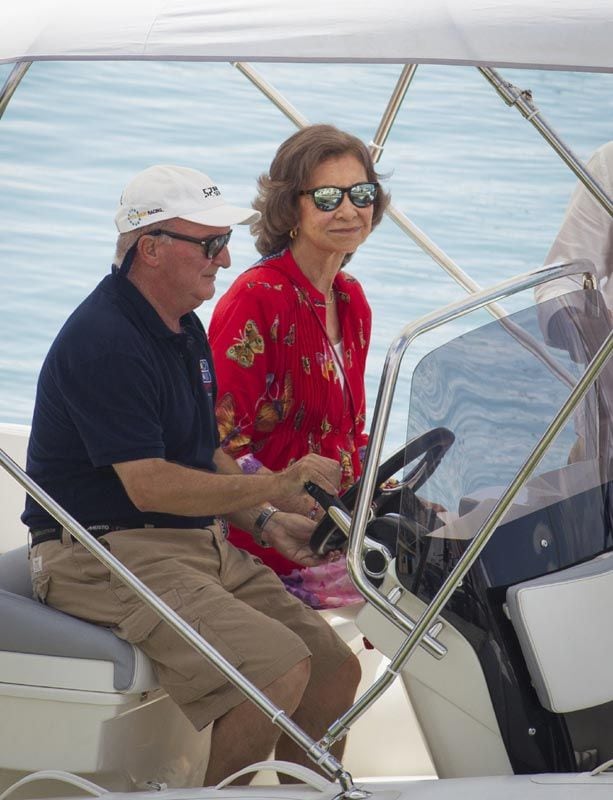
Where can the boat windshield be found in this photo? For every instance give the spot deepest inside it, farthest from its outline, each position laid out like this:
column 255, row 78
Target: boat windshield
column 496, row 389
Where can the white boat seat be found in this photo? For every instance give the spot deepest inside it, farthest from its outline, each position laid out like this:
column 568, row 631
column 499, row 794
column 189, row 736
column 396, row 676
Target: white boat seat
column 27, row 626
column 563, row 623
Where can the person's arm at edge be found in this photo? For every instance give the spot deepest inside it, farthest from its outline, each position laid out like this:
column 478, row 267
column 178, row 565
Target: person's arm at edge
column 586, row 231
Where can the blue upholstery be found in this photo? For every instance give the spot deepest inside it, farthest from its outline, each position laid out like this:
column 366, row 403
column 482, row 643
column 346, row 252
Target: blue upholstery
column 27, row 626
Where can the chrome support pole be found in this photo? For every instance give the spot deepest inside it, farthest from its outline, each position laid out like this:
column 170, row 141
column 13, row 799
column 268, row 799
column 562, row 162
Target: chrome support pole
column 272, row 94
column 314, row 750
column 522, row 100
column 403, row 222
column 11, row 83
column 367, row 482
column 442, row 259
column 343, row 522
column 393, row 107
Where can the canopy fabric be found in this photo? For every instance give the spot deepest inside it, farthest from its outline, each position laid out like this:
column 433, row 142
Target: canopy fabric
column 557, row 34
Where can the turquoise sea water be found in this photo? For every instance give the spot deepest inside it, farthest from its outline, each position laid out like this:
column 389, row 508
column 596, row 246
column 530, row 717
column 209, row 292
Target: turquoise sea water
column 472, row 173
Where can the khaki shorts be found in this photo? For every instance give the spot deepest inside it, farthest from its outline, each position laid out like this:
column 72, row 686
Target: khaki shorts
column 236, row 603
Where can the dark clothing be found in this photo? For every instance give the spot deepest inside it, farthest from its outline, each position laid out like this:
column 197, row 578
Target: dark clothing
column 118, row 385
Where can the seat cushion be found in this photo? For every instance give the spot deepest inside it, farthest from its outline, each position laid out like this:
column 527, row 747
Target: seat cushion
column 563, row 623
column 27, row 626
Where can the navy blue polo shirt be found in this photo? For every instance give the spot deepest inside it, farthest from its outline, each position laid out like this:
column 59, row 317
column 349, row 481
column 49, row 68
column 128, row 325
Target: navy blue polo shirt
column 119, row 385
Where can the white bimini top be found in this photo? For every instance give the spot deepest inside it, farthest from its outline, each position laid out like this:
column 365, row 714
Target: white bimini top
column 548, row 34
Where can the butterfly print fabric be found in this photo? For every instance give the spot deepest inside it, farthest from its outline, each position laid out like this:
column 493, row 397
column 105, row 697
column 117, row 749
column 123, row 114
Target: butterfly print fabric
column 279, row 393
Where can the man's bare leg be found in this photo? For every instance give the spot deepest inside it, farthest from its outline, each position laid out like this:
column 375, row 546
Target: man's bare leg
column 322, row 703
column 245, row 735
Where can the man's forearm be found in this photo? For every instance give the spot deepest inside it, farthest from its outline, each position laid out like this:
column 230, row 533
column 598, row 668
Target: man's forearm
column 165, row 487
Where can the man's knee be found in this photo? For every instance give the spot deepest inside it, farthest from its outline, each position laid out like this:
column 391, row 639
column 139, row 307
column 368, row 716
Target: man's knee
column 344, row 682
column 300, row 673
column 350, row 673
column 287, row 690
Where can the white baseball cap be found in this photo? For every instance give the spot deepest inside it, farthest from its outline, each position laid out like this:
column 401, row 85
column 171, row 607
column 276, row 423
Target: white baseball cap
column 163, row 192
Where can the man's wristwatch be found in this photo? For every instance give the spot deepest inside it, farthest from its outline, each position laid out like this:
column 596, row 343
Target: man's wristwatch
column 261, row 522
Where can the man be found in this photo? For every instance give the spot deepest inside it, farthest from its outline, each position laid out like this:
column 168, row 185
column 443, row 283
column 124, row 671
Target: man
column 124, row 438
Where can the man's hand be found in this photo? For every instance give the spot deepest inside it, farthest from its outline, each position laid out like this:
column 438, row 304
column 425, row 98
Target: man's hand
column 289, row 486
column 290, row 534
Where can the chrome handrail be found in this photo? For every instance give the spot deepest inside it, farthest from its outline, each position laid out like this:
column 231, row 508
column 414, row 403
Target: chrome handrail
column 340, row 727
column 382, row 410
column 367, row 483
column 343, row 522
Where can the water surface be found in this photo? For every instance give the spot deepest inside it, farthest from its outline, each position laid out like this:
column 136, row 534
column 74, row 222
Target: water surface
column 472, row 173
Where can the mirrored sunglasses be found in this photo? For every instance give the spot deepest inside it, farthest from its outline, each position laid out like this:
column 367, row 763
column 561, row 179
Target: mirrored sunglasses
column 327, row 198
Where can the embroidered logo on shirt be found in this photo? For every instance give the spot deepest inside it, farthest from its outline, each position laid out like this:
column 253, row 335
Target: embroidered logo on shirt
column 205, row 371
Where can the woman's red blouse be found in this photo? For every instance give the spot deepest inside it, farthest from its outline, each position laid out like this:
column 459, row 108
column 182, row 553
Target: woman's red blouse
column 279, row 396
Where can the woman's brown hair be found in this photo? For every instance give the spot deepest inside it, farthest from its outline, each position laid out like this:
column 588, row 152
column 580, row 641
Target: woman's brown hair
column 290, row 170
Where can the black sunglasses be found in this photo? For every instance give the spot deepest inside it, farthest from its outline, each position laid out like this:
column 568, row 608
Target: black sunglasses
column 211, row 245
column 327, row 198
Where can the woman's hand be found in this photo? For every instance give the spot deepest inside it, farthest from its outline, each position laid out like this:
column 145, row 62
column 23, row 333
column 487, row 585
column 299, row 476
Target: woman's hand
column 290, row 534
column 305, row 506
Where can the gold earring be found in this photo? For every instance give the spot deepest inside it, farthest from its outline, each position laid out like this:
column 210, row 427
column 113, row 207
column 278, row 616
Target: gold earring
column 293, row 233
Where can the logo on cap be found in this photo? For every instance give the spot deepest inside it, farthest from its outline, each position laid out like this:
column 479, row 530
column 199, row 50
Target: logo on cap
column 211, row 191
column 135, row 216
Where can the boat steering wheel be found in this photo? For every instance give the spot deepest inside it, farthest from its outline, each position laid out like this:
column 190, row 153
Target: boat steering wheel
column 429, row 448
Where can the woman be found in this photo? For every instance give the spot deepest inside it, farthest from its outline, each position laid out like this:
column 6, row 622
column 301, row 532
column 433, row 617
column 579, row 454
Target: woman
column 290, row 337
